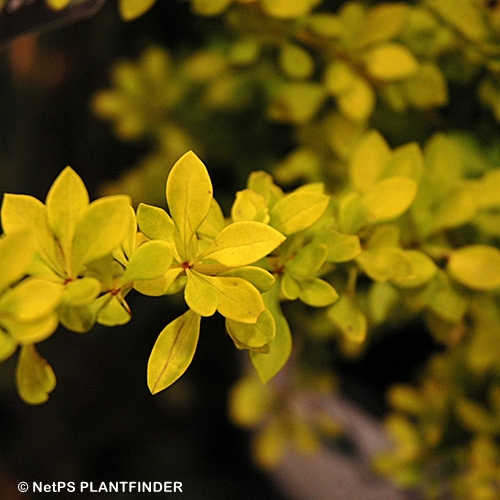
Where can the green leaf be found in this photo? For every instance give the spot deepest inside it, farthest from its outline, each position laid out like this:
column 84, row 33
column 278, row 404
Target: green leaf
column 242, row 243
column 390, row 61
column 21, row 212
column 17, row 250
column 389, row 198
column 289, row 287
column 295, row 61
column 270, row 363
column 317, row 292
column 358, row 101
column 151, row 260
column 189, row 197
column 349, row 319
column 66, row 200
column 309, row 260
column 298, row 211
column 385, row 263
column 100, row 230
column 173, row 351
column 82, row 291
column 155, row 223
column 253, row 337
column 31, row 299
column 131, row 9
column 476, row 266
column 35, row 378
column 258, row 277
column 341, row 247
column 200, row 294
column 284, row 9
column 8, row 346
column 238, row 299
column 79, row 319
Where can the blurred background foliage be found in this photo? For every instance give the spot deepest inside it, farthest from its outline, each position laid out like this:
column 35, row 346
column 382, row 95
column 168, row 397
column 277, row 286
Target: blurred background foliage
column 295, row 88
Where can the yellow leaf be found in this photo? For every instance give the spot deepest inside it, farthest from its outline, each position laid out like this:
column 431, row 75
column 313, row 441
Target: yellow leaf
column 149, row 261
column 258, row 277
column 8, row 346
column 349, row 319
column 424, row 269
column 159, row 286
column 316, row 292
column 476, row 266
column 390, row 198
column 242, row 243
column 369, row 160
column 249, row 205
column 252, row 337
column 383, row 22
column 31, row 299
column 210, row 7
column 58, row 4
column 357, row 102
column 214, row 223
column 249, row 402
column 200, row 295
column 352, row 213
column 268, row 364
column 286, row 9
column 131, row 9
column 28, row 332
column 270, row 444
column 390, row 61
column 114, row 312
column 100, row 230
column 238, row 299
column 173, row 351
column 17, row 250
column 298, row 211
column 155, row 223
column 189, row 197
column 295, row 61
column 35, row 378
column 385, row 263
column 66, row 200
column 338, row 78
column 82, row 291
column 341, row 247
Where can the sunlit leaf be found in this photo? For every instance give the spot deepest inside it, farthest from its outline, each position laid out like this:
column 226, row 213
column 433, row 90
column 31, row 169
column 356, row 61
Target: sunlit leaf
column 238, row 299
column 309, row 260
column 389, row 198
column 155, row 223
column 100, row 229
column 200, row 295
column 390, row 61
column 258, row 277
column 298, row 211
column 27, row 332
column 131, row 9
column 151, row 260
column 476, row 266
column 286, row 9
column 252, row 337
column 214, row 223
column 173, row 351
column 66, row 200
column 17, row 250
column 249, row 401
column 341, row 247
column 269, row 364
column 189, row 197
column 250, row 205
column 349, row 319
column 35, row 378
column 8, row 346
column 159, row 286
column 82, row 291
column 295, row 61
column 31, row 299
column 21, row 212
column 242, row 243
column 317, row 293
column 210, row 7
